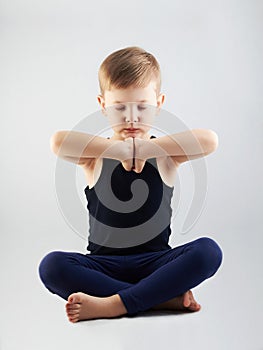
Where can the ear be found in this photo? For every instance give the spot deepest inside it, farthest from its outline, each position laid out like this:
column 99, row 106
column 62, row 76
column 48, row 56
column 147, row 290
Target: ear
column 160, row 102
column 101, row 102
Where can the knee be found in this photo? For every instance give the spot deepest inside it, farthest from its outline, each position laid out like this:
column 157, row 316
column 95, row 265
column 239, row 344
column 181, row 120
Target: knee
column 209, row 255
column 51, row 267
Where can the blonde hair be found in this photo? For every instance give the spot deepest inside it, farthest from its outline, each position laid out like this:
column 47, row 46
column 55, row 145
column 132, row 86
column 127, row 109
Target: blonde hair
column 129, row 67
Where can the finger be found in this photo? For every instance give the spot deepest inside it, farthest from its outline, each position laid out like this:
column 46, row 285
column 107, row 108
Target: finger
column 139, row 165
column 127, row 164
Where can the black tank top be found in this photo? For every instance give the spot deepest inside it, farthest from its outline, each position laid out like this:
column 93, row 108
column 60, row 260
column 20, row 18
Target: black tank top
column 118, row 226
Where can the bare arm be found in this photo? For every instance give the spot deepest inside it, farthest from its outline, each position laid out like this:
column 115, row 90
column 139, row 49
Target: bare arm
column 79, row 147
column 179, row 147
column 191, row 144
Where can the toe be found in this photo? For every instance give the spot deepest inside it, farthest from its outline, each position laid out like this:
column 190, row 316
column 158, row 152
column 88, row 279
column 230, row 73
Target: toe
column 198, row 306
column 73, row 319
column 72, row 307
column 194, row 306
column 186, row 300
column 73, row 312
column 74, row 298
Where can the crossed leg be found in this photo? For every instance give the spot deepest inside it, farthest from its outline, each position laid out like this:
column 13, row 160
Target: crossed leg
column 165, row 281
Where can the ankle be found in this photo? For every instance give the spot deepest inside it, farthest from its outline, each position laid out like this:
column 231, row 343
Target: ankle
column 117, row 308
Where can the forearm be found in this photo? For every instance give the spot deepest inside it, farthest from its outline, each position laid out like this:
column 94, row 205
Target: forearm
column 189, row 143
column 81, row 145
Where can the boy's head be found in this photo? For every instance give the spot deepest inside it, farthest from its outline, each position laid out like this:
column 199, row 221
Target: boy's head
column 128, row 77
column 126, row 70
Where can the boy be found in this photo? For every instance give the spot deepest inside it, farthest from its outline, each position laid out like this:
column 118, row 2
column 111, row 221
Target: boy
column 126, row 278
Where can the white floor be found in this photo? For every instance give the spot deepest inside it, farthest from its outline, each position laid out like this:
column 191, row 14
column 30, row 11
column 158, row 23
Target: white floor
column 230, row 319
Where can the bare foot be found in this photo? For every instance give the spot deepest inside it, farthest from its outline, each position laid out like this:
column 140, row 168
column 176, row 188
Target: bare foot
column 82, row 306
column 184, row 302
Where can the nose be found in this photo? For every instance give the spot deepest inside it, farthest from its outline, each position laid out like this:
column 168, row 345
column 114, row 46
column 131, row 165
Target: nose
column 132, row 115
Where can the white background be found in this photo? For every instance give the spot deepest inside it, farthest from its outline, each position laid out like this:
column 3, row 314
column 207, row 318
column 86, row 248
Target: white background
column 211, row 55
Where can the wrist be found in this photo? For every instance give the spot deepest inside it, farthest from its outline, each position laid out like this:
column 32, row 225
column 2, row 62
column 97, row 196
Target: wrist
column 114, row 150
column 146, row 149
column 126, row 149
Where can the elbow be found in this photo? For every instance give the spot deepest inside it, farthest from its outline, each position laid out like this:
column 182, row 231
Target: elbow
column 211, row 141
column 56, row 140
column 208, row 140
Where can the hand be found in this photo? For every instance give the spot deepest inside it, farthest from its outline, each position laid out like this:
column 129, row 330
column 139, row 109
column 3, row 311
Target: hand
column 127, row 148
column 139, row 159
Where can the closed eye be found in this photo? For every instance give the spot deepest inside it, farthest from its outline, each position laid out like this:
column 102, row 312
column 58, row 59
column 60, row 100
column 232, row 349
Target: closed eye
column 121, row 108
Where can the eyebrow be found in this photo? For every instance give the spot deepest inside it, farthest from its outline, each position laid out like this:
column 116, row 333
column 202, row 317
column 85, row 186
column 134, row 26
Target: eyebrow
column 124, row 102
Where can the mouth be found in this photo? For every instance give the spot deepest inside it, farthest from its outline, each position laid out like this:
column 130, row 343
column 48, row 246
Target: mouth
column 131, row 130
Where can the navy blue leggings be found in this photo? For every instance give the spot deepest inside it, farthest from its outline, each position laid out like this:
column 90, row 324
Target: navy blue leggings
column 141, row 280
